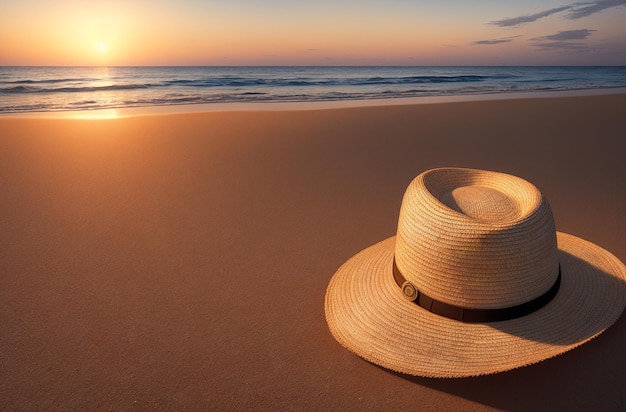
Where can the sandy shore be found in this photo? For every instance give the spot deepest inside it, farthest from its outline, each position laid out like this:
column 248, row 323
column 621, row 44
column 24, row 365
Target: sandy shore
column 180, row 261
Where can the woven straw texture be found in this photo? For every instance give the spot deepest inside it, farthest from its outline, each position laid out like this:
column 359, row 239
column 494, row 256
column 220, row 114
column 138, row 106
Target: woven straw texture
column 476, row 239
column 368, row 314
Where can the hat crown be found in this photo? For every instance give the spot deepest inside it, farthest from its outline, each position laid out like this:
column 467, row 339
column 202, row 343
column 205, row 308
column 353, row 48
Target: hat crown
column 476, row 239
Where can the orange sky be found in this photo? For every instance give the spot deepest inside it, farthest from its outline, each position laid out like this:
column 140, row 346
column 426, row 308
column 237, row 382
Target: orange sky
column 324, row 32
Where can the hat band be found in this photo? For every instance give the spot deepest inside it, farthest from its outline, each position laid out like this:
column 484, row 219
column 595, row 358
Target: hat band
column 468, row 315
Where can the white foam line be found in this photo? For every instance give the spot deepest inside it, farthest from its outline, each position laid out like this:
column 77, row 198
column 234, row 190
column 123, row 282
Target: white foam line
column 295, row 105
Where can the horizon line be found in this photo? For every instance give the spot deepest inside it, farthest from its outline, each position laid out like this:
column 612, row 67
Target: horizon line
column 315, row 65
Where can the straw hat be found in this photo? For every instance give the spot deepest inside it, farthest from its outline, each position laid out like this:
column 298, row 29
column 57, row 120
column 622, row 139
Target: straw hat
column 476, row 281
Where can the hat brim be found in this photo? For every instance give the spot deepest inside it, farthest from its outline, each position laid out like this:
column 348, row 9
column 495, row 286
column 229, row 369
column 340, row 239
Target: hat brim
column 368, row 314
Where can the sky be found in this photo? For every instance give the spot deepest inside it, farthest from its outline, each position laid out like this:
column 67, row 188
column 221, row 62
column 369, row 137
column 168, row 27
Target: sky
column 312, row 32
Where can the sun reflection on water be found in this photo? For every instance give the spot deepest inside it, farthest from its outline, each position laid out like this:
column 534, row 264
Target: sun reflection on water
column 100, row 114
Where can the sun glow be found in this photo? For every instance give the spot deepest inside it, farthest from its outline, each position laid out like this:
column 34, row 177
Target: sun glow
column 102, row 47
column 191, row 32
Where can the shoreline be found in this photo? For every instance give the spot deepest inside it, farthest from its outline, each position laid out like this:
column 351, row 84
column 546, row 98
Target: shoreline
column 111, row 113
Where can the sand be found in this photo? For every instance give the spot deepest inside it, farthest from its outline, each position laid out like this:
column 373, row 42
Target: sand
column 180, row 261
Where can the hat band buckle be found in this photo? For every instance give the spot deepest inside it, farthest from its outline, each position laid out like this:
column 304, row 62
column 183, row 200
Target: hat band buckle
column 469, row 315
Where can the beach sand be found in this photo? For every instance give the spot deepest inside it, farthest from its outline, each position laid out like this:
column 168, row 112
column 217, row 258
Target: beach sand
column 180, row 261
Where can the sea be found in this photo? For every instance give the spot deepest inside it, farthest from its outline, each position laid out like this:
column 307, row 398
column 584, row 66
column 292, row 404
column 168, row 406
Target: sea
column 52, row 89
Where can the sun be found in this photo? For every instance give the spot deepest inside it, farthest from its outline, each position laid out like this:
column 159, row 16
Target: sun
column 102, row 47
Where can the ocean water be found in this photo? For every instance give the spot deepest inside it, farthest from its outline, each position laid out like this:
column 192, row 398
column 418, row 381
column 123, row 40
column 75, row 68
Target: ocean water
column 37, row 89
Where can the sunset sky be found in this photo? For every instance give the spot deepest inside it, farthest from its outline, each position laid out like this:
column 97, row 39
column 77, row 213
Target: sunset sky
column 320, row 32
